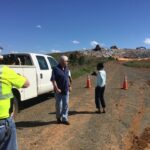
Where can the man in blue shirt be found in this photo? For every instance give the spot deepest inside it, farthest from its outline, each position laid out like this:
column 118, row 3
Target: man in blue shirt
column 60, row 79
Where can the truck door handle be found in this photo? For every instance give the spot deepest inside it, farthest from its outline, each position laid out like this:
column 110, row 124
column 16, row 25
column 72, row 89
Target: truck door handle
column 41, row 75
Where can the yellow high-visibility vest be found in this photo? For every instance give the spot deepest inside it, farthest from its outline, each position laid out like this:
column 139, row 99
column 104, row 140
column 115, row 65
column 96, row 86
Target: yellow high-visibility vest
column 8, row 79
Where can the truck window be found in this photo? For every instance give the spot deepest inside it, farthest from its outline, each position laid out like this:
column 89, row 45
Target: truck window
column 52, row 62
column 27, row 60
column 15, row 59
column 24, row 60
column 42, row 63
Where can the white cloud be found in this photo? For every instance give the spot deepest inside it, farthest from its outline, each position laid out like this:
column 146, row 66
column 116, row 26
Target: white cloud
column 39, row 26
column 93, row 43
column 147, row 41
column 55, row 51
column 75, row 42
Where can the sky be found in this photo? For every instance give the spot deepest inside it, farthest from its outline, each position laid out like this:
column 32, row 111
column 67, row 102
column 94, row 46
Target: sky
column 44, row 26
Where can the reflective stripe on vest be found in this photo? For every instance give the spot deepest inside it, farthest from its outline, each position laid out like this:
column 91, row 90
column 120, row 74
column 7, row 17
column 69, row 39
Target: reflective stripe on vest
column 3, row 96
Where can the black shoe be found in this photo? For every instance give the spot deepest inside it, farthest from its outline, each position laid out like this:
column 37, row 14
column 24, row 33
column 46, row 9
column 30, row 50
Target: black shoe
column 104, row 111
column 59, row 121
column 66, row 122
column 98, row 111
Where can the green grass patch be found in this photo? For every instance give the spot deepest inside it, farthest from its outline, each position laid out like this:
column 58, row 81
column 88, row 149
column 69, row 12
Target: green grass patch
column 87, row 68
column 138, row 64
column 80, row 64
column 79, row 72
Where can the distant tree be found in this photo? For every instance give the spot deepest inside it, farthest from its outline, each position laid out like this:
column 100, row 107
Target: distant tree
column 97, row 48
column 114, row 47
column 73, row 58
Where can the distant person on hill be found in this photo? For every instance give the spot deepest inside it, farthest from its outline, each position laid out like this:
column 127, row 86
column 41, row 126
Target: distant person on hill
column 100, row 87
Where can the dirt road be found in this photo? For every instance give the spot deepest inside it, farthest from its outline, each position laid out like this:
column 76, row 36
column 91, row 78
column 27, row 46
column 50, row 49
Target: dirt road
column 125, row 126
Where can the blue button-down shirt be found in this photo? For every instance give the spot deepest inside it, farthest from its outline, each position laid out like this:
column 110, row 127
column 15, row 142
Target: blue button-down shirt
column 61, row 77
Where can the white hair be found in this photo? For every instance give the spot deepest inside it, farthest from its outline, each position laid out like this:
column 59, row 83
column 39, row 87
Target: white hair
column 63, row 58
column 1, row 57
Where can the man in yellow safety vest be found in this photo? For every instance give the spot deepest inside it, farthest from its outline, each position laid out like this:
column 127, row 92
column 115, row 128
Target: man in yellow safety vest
column 8, row 79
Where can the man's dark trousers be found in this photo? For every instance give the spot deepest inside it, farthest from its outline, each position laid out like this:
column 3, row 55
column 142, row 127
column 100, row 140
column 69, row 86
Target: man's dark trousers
column 99, row 97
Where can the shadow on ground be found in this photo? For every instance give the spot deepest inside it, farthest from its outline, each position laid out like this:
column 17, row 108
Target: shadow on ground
column 28, row 124
column 77, row 112
column 34, row 101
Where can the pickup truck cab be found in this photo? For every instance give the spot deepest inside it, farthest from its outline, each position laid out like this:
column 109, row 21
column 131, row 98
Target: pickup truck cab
column 37, row 68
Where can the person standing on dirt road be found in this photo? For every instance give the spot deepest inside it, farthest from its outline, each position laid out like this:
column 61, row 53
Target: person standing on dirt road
column 100, row 87
column 8, row 79
column 62, row 86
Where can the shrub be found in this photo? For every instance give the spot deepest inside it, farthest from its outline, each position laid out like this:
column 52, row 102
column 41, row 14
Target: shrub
column 73, row 58
column 81, row 60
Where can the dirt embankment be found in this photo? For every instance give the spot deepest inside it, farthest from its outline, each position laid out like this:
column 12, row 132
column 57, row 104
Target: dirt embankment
column 125, row 126
column 131, row 59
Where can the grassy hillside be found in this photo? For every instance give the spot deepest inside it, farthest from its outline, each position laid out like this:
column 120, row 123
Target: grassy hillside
column 138, row 64
column 80, row 64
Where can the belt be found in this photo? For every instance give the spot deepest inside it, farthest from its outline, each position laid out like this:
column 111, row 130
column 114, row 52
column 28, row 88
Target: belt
column 3, row 119
column 4, row 122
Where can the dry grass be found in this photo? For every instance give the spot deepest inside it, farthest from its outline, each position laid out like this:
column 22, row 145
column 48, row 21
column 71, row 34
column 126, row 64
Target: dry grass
column 138, row 64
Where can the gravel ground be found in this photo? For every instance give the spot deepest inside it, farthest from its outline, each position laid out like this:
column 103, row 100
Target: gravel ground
column 125, row 126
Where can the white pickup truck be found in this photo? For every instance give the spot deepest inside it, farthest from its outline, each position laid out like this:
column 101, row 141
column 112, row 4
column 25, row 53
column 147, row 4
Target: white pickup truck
column 37, row 68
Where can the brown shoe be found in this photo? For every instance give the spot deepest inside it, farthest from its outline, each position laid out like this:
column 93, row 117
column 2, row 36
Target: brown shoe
column 66, row 122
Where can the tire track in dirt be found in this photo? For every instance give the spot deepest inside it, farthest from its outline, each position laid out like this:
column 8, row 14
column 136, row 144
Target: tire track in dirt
column 143, row 141
column 77, row 123
column 139, row 110
column 56, row 134
column 88, row 129
column 117, row 107
column 133, row 131
column 64, row 134
column 121, row 106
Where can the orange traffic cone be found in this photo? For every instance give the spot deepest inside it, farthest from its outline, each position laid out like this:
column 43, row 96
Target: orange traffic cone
column 88, row 82
column 125, row 83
